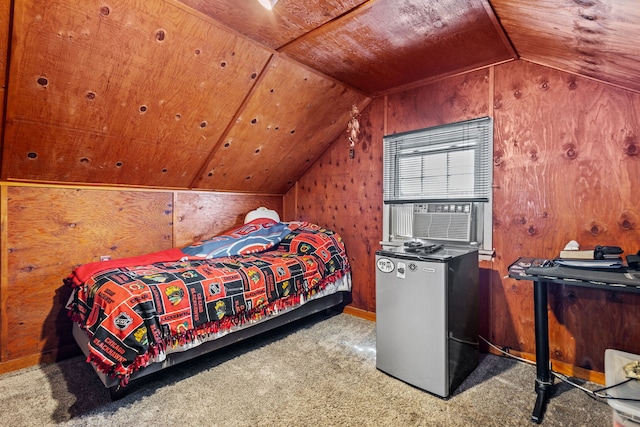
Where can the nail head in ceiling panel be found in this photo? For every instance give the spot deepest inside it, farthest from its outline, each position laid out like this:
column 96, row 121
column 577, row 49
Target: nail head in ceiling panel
column 390, row 43
column 298, row 114
column 138, row 84
column 287, row 21
column 597, row 39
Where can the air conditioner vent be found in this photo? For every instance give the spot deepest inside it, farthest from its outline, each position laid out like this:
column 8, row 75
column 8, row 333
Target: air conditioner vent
column 442, row 221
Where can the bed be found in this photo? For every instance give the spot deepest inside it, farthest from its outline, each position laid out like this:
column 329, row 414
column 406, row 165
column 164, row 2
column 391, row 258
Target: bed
column 136, row 316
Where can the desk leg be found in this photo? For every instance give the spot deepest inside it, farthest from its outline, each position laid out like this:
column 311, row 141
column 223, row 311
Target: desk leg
column 544, row 383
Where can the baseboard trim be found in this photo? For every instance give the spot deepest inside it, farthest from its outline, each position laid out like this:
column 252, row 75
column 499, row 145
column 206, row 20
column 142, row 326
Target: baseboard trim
column 57, row 355
column 357, row 312
column 560, row 367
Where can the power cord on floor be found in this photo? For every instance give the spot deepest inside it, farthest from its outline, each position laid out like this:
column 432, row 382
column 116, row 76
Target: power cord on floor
column 596, row 394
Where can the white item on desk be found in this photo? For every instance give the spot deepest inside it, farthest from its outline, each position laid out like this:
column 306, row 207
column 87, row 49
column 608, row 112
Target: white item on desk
column 572, row 246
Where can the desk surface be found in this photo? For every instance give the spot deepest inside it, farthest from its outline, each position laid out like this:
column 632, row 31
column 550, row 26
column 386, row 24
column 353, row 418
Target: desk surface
column 535, row 269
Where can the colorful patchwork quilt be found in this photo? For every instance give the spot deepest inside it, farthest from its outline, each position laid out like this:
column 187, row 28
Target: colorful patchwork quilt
column 132, row 311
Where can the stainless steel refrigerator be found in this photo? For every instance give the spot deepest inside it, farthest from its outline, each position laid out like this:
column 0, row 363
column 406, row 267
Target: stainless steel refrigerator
column 427, row 316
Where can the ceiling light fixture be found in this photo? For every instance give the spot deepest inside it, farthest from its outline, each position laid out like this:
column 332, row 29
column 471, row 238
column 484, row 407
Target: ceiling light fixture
column 268, row 4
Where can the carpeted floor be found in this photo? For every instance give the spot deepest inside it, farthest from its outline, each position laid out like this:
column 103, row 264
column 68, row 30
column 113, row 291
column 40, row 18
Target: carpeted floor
column 317, row 372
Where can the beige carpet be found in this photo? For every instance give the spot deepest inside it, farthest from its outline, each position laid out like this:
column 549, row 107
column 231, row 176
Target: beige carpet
column 317, row 372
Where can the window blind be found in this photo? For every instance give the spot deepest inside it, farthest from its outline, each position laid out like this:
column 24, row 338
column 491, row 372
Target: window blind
column 441, row 163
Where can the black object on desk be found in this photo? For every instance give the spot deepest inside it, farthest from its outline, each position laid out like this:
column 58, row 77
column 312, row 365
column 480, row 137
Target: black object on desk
column 543, row 272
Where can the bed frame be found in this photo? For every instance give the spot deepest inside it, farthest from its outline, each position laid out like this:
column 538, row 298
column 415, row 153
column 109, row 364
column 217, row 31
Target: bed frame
column 334, row 301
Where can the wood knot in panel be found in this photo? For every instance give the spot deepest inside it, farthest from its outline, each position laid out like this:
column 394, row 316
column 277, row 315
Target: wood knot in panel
column 497, row 102
column 516, row 93
column 161, row 35
column 588, row 17
column 43, row 82
column 627, row 222
column 631, row 145
column 32, row 155
column 105, row 11
column 572, row 85
column 595, row 229
column 533, row 155
column 570, row 151
column 584, row 3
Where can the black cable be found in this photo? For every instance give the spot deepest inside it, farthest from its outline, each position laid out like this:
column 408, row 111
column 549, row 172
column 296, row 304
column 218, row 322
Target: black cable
column 591, row 393
column 613, row 386
column 594, row 393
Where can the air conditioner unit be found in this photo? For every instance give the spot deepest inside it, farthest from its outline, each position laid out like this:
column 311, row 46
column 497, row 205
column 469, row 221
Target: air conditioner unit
column 443, row 221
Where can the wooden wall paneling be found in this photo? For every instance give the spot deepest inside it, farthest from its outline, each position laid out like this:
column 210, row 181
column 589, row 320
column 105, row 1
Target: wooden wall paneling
column 201, row 215
column 4, row 327
column 278, row 135
column 565, row 166
column 50, row 231
column 136, row 93
column 5, row 25
column 345, row 195
column 290, row 203
column 451, row 100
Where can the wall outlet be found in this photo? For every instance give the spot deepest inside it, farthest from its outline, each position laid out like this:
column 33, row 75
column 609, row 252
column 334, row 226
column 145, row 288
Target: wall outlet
column 105, row 257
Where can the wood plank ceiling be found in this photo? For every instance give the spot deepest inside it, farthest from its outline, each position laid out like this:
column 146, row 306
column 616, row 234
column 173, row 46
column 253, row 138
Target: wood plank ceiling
column 225, row 95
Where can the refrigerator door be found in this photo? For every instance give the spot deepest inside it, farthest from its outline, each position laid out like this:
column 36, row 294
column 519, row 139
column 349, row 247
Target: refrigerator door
column 411, row 322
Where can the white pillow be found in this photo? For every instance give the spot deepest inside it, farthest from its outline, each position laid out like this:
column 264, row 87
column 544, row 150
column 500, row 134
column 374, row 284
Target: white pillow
column 262, row 212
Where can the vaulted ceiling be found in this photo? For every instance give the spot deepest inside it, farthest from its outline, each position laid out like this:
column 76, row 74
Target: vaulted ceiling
column 225, row 95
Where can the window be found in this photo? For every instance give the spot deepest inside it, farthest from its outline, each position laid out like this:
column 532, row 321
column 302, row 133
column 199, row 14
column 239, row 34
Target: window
column 448, row 163
column 443, row 163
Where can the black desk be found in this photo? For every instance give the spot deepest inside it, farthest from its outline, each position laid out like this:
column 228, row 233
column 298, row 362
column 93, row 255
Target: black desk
column 542, row 274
